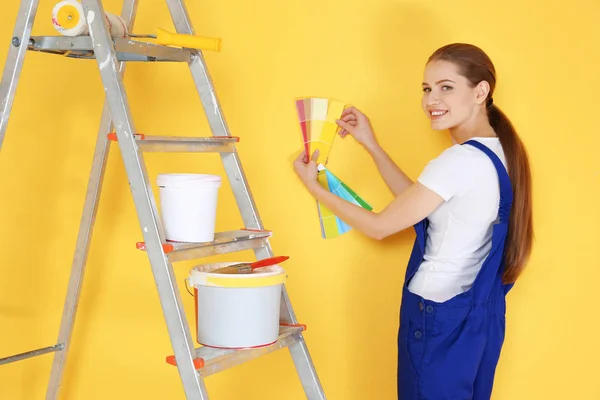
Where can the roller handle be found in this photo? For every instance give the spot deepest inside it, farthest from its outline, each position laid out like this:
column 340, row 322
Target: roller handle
column 188, row 41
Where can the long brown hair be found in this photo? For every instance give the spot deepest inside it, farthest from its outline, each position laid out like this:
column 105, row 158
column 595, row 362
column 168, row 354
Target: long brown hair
column 476, row 66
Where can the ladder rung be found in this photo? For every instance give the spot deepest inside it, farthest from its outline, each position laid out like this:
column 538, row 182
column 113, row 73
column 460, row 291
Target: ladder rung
column 126, row 49
column 32, row 353
column 209, row 360
column 179, row 144
column 225, row 242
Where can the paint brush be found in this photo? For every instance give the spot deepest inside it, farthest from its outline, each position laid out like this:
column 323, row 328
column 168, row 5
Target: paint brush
column 246, row 268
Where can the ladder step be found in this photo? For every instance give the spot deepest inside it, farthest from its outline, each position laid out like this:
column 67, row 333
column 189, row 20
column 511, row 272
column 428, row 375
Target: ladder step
column 179, row 144
column 225, row 242
column 32, row 353
column 210, row 360
column 126, row 49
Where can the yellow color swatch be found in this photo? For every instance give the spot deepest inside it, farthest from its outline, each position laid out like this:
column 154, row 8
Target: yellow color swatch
column 322, row 137
column 335, row 110
column 328, row 218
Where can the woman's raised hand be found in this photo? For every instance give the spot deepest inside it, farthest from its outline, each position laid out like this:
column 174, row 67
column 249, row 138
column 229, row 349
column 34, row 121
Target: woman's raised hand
column 357, row 124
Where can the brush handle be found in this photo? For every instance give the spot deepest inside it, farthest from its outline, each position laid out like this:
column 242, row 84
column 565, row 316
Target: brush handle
column 188, row 41
column 246, row 268
column 268, row 261
column 234, row 269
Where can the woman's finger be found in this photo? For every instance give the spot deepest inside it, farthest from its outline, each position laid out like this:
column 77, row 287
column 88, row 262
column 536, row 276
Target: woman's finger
column 349, row 110
column 302, row 157
column 352, row 111
column 348, row 118
column 344, row 125
column 315, row 155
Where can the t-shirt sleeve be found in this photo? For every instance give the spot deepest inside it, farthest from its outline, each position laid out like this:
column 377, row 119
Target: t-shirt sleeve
column 449, row 174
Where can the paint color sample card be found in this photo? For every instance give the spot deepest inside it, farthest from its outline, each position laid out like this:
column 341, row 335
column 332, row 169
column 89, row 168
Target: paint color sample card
column 329, row 222
column 331, row 225
column 339, row 188
column 317, row 118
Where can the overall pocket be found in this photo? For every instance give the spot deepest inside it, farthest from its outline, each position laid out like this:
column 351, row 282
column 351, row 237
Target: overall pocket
column 405, row 361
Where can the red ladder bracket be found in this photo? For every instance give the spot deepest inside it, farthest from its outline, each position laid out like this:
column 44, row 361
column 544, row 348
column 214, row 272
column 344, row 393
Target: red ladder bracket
column 198, row 362
column 167, row 248
column 303, row 326
column 255, row 230
column 113, row 136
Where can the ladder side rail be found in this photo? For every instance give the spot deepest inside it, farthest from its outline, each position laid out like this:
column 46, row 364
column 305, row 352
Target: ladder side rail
column 141, row 190
column 15, row 60
column 242, row 192
column 86, row 228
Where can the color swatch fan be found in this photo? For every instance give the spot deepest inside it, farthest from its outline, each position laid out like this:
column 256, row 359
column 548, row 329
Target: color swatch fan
column 331, row 225
column 317, row 118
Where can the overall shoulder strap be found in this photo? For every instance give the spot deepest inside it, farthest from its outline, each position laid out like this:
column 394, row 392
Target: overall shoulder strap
column 506, row 192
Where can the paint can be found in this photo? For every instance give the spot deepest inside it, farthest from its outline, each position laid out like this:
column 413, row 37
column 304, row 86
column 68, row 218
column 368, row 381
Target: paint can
column 237, row 311
column 189, row 206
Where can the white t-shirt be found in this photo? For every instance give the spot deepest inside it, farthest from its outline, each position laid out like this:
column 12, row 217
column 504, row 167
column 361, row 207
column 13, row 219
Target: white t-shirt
column 460, row 229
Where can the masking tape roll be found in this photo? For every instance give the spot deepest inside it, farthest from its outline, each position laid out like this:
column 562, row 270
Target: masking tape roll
column 68, row 20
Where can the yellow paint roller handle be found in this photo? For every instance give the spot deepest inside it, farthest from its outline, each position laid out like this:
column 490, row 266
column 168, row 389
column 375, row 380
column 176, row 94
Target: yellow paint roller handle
column 188, row 41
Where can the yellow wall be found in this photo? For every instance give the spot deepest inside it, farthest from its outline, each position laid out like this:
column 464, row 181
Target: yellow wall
column 347, row 290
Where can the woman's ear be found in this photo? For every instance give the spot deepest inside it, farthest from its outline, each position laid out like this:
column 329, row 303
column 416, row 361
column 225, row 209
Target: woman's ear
column 482, row 90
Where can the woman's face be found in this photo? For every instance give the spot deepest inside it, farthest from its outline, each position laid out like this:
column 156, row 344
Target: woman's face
column 449, row 99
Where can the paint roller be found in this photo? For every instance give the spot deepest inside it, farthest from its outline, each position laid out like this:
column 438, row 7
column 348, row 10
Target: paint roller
column 68, row 19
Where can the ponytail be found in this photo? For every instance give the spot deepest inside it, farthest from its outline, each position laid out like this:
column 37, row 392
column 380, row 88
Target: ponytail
column 477, row 67
column 520, row 228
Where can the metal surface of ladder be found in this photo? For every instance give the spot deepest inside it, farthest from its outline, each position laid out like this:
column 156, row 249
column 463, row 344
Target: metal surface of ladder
column 111, row 54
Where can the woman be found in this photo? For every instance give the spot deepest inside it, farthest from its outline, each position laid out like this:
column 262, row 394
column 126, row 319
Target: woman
column 473, row 223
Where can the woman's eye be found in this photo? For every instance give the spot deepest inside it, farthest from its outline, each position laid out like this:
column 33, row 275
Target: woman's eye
column 426, row 89
column 446, row 87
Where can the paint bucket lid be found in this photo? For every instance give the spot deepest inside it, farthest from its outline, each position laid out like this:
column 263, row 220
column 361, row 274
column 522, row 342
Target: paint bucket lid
column 201, row 275
column 188, row 180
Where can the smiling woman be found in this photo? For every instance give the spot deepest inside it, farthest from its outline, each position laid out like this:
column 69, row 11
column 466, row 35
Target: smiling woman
column 471, row 210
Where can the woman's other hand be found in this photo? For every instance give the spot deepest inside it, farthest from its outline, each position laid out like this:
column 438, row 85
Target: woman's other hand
column 355, row 123
column 307, row 170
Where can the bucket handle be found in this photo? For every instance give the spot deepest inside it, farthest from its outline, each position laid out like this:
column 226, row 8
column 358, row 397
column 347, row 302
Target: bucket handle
column 186, row 287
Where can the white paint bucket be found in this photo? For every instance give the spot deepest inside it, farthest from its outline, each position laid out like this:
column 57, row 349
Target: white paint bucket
column 189, row 206
column 237, row 311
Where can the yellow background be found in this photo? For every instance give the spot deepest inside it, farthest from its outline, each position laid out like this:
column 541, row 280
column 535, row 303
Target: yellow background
column 370, row 54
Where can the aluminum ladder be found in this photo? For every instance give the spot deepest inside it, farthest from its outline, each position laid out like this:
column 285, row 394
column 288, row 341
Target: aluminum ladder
column 193, row 364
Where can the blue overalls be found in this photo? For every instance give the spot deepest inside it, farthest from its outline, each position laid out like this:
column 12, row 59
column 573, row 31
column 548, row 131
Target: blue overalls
column 450, row 350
